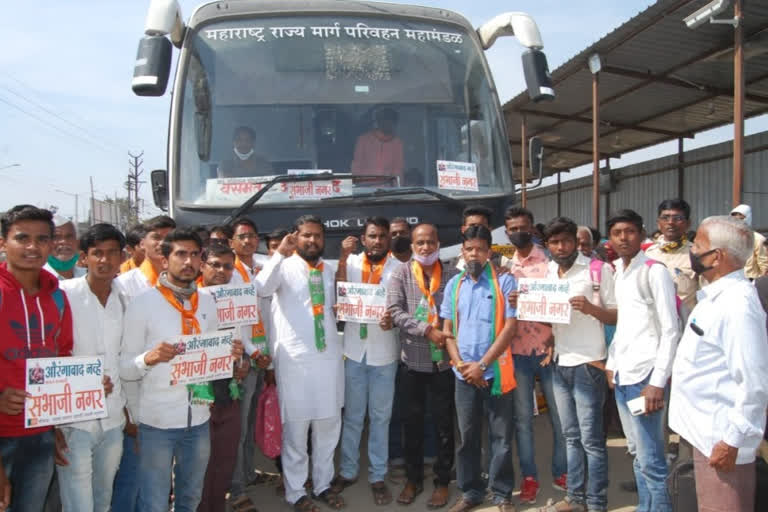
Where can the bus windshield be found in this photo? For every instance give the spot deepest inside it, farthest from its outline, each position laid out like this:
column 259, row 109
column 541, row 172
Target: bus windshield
column 377, row 102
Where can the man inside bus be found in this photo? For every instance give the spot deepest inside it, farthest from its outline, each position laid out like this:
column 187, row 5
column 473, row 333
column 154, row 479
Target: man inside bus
column 380, row 151
column 245, row 163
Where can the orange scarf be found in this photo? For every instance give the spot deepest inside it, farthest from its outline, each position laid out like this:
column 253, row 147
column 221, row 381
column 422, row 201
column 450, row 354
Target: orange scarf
column 434, row 285
column 372, row 272
column 189, row 323
column 258, row 333
column 127, row 266
column 149, row 272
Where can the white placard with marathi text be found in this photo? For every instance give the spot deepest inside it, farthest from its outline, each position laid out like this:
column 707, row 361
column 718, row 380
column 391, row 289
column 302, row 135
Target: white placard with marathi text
column 236, row 304
column 202, row 357
column 64, row 390
column 360, row 302
column 457, row 176
column 544, row 300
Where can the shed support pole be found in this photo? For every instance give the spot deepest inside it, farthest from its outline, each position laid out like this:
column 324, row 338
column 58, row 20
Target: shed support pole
column 595, row 152
column 680, row 168
column 559, row 192
column 738, row 104
column 523, row 165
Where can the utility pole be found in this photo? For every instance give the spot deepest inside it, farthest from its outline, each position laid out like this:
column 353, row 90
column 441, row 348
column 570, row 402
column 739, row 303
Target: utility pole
column 92, row 216
column 134, row 173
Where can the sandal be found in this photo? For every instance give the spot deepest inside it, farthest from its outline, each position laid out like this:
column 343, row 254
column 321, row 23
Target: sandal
column 340, row 483
column 243, row 504
column 439, row 497
column 410, row 492
column 305, row 505
column 332, row 499
column 381, row 494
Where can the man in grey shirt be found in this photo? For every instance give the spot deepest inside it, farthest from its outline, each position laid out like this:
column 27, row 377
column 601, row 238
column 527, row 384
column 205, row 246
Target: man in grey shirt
column 414, row 292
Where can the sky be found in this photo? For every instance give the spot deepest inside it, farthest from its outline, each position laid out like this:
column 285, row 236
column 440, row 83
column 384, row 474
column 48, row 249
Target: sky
column 67, row 112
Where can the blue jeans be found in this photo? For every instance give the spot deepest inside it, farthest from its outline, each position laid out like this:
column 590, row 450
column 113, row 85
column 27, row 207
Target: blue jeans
column 472, row 405
column 126, row 489
column 245, row 465
column 86, row 483
column 580, row 395
column 371, row 388
column 650, row 464
column 526, row 370
column 28, row 463
column 190, row 448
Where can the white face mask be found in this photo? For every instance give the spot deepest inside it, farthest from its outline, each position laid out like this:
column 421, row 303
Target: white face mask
column 429, row 260
column 243, row 156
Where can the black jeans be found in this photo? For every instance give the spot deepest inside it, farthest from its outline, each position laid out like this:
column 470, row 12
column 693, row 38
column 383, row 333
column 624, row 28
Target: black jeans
column 441, row 390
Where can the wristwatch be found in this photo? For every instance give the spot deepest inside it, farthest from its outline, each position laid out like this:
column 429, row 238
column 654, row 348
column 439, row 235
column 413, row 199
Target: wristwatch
column 483, row 366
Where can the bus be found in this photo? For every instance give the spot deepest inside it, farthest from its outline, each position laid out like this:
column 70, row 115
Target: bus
column 343, row 109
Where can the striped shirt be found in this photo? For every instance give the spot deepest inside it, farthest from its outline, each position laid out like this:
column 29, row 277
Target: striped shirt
column 403, row 297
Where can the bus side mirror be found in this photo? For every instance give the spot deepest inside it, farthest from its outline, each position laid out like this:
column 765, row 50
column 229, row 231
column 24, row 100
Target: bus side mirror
column 536, row 159
column 159, row 181
column 537, row 76
column 153, row 66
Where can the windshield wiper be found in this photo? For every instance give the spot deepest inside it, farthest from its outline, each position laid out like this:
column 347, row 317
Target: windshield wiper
column 406, row 191
column 297, row 178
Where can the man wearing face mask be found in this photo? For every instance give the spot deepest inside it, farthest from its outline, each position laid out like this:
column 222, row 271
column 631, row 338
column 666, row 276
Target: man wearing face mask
column 757, row 263
column 371, row 353
column 380, row 151
column 400, row 231
column 532, row 349
column 482, row 324
column 579, row 373
column 245, row 163
column 62, row 262
column 415, row 289
column 720, row 373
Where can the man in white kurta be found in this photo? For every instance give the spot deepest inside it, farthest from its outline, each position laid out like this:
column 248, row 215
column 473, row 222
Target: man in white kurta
column 310, row 374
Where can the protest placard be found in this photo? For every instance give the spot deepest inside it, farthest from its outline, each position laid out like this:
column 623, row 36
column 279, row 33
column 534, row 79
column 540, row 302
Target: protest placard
column 236, row 304
column 202, row 357
column 457, row 176
column 64, row 390
column 361, row 303
column 544, row 300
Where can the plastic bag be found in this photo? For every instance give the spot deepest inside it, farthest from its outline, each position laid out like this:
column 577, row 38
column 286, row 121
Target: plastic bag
column 268, row 429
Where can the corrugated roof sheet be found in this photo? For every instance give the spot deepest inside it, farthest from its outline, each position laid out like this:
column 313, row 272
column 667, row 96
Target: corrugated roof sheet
column 660, row 81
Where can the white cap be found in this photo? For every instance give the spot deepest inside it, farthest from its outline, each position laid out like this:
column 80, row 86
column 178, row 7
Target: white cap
column 746, row 211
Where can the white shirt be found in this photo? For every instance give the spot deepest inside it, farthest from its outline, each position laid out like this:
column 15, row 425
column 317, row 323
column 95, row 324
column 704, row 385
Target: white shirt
column 720, row 377
column 380, row 347
column 97, row 331
column 149, row 320
column 263, row 304
column 77, row 271
column 646, row 334
column 583, row 340
column 133, row 283
column 310, row 383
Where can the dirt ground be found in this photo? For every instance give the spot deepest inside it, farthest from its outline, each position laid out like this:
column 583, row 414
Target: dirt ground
column 358, row 496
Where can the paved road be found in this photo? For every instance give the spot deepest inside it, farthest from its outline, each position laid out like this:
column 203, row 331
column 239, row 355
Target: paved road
column 358, row 496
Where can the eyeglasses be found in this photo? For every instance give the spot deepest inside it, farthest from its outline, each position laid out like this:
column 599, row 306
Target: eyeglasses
column 246, row 236
column 219, row 266
column 672, row 218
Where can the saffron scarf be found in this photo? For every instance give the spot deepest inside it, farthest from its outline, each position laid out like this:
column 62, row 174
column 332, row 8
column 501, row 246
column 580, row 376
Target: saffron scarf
column 128, row 265
column 504, row 367
column 673, row 246
column 149, row 272
column 372, row 273
column 258, row 333
column 317, row 296
column 202, row 394
column 426, row 311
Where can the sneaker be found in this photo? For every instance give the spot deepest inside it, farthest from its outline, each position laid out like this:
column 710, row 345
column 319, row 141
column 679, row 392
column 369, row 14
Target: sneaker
column 529, row 490
column 561, row 484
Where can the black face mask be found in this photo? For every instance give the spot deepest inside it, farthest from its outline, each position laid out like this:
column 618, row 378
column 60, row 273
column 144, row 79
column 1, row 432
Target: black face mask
column 401, row 244
column 374, row 258
column 520, row 239
column 475, row 268
column 696, row 265
column 566, row 262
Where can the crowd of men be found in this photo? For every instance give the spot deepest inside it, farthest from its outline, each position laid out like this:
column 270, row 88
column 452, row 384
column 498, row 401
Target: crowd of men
column 675, row 321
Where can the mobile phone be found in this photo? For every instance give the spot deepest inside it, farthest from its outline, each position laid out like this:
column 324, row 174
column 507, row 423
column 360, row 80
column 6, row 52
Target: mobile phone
column 637, row 406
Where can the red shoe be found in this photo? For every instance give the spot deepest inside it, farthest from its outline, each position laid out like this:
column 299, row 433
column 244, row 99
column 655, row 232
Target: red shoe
column 561, row 484
column 529, row 490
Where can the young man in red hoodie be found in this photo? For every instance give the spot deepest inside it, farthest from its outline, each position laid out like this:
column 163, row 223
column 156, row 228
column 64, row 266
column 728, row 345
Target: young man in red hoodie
column 35, row 321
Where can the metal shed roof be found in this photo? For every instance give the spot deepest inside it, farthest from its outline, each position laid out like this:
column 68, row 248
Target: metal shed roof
column 659, row 81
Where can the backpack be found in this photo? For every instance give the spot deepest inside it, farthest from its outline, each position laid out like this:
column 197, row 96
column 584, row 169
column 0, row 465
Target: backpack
column 645, row 291
column 596, row 276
